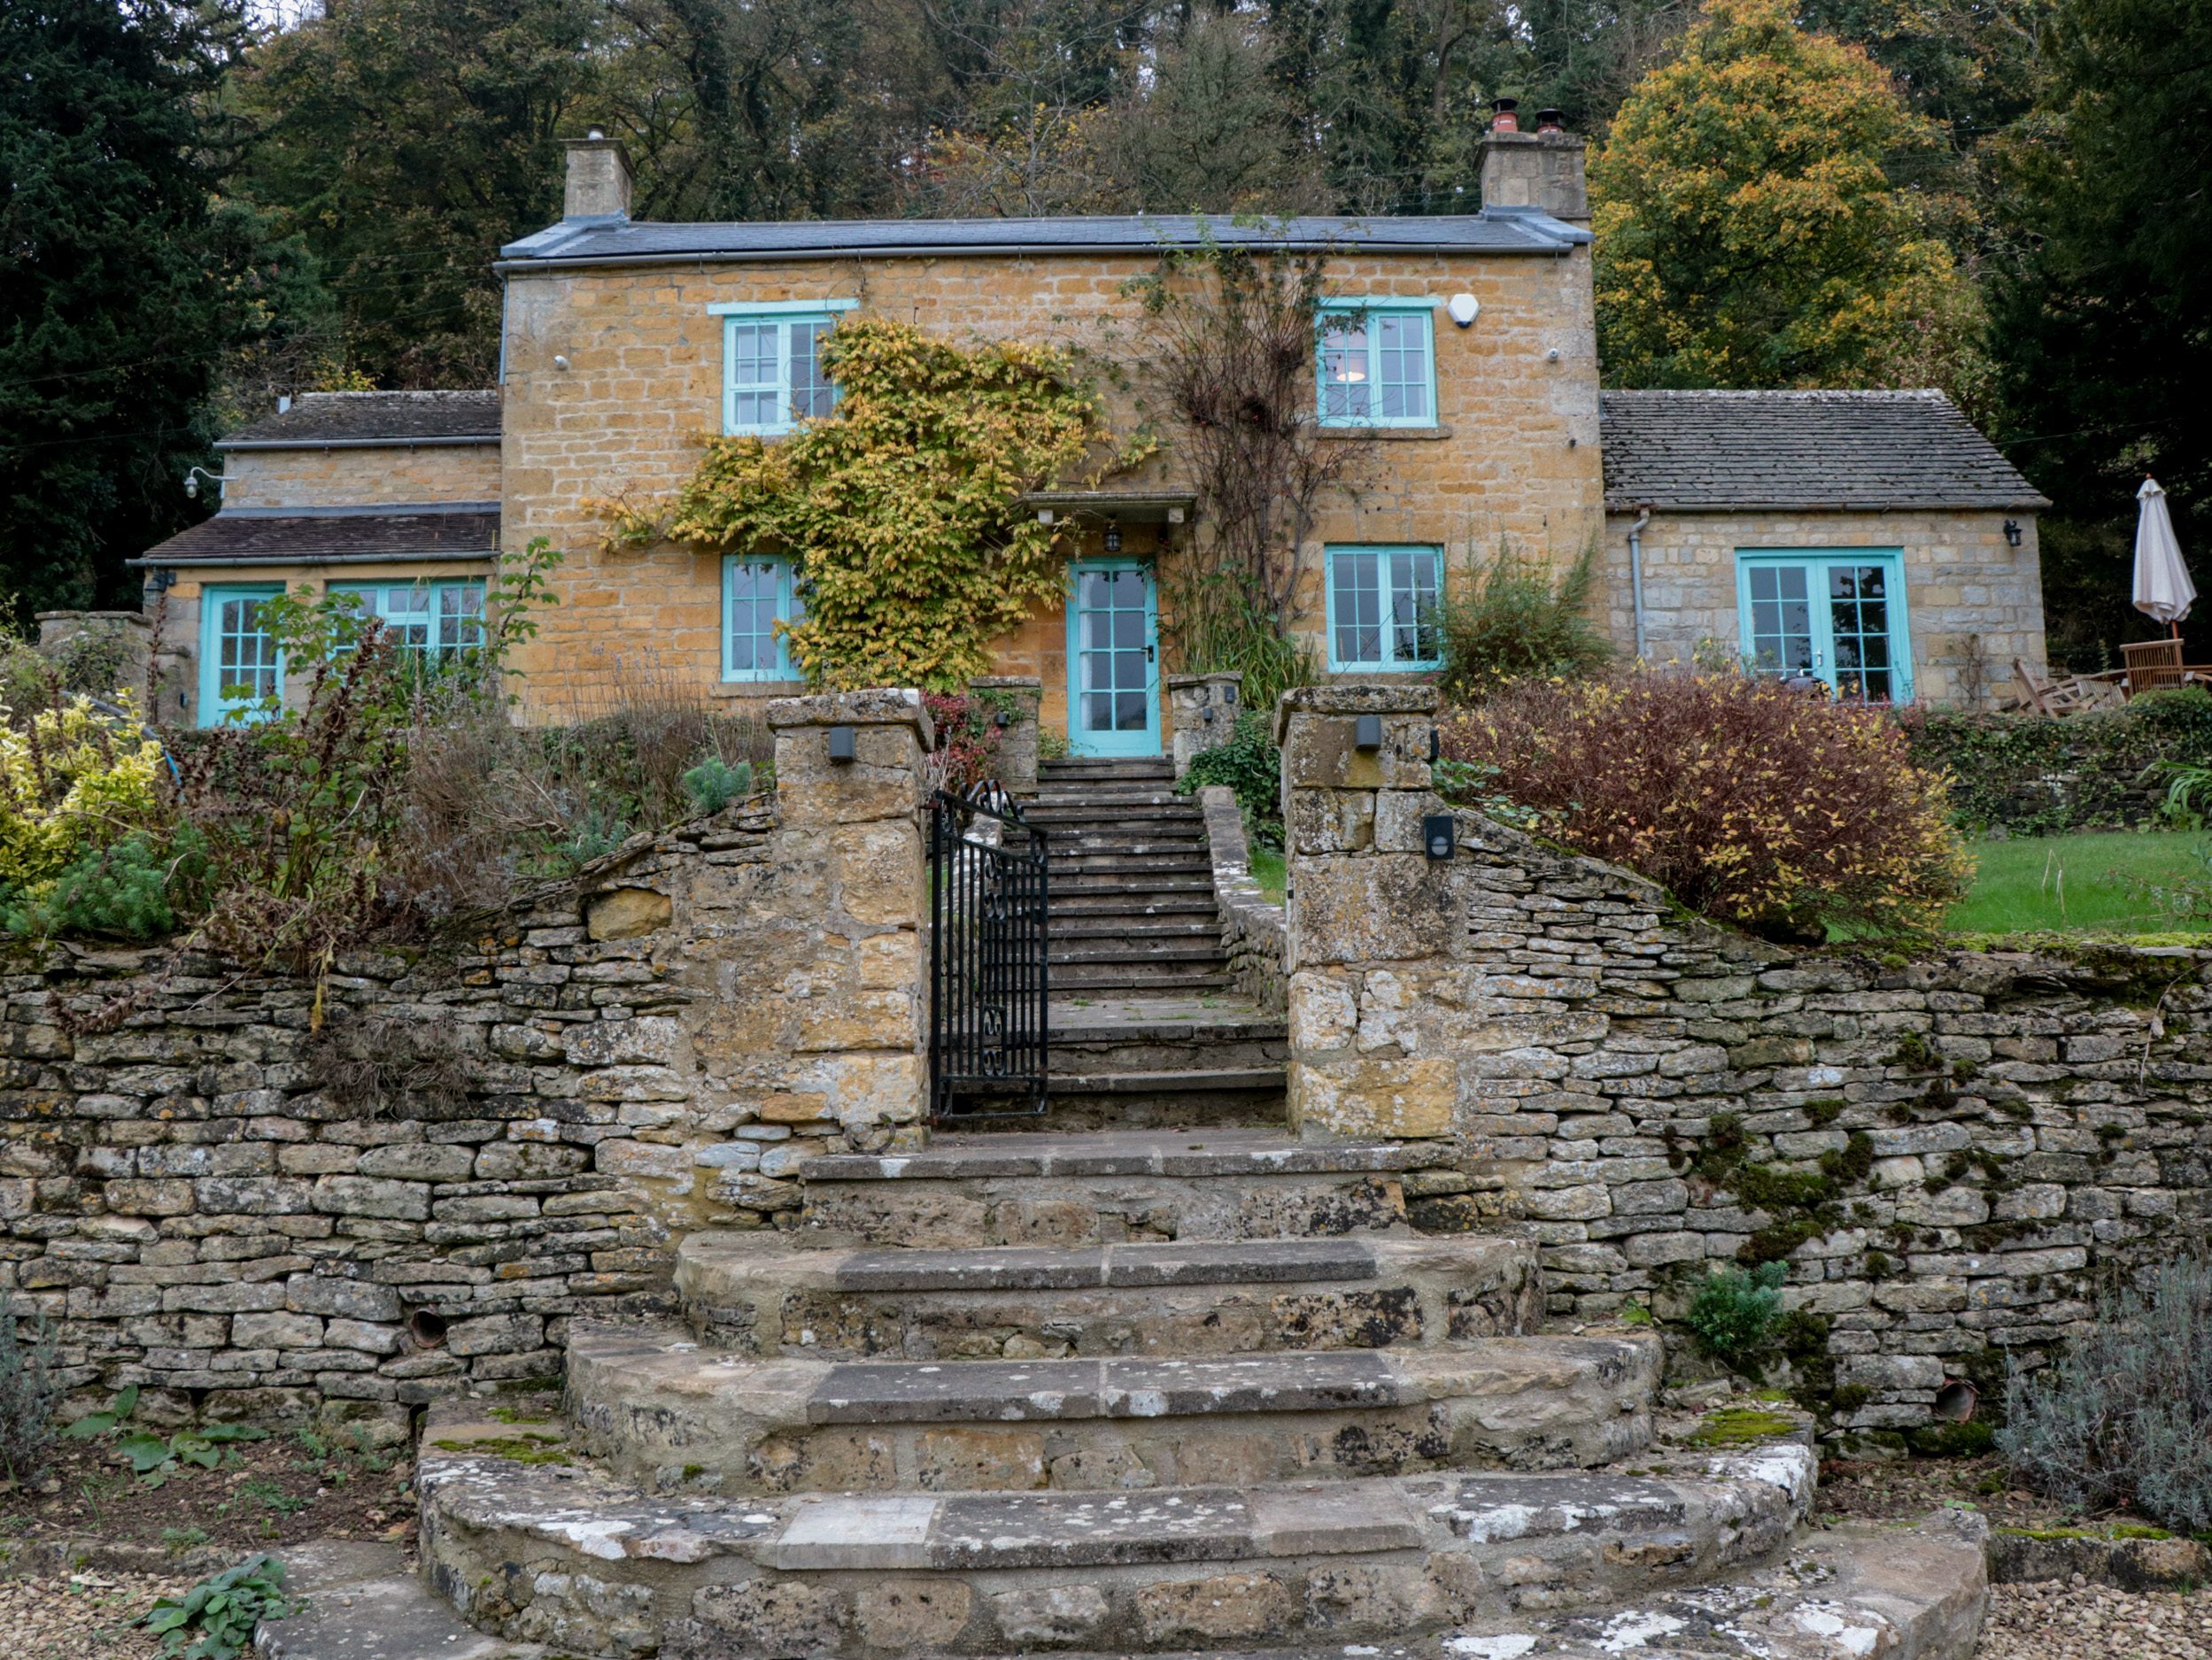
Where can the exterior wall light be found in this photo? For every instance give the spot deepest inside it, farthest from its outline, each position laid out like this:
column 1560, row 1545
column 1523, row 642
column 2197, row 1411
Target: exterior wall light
column 1367, row 732
column 2012, row 533
column 1113, row 537
column 1439, row 833
column 841, row 743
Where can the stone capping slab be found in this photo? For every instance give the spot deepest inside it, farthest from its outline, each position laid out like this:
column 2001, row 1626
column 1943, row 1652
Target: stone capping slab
column 1028, row 1268
column 1194, row 1153
column 1417, row 697
column 881, row 705
column 1013, row 1392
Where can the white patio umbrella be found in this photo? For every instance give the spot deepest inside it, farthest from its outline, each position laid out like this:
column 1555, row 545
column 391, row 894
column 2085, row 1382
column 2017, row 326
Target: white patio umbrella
column 2162, row 588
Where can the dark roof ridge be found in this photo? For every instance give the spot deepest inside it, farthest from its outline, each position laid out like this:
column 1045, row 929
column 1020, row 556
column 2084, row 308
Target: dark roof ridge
column 1827, row 449
column 318, row 418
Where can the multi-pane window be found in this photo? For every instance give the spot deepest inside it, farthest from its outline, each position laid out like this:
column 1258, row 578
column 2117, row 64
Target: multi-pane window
column 757, row 595
column 1113, row 648
column 1839, row 617
column 772, row 374
column 240, row 665
column 1377, row 369
column 1382, row 608
column 432, row 619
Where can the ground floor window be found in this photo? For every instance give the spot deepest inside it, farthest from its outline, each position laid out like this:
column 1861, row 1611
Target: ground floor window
column 240, row 665
column 757, row 595
column 1838, row 615
column 431, row 618
column 1382, row 608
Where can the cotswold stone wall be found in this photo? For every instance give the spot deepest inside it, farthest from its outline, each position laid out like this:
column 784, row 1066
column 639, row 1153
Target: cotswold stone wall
column 1990, row 1131
column 259, row 1196
column 1252, row 930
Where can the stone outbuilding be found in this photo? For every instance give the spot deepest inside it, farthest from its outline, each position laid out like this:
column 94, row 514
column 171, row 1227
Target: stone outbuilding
column 1874, row 540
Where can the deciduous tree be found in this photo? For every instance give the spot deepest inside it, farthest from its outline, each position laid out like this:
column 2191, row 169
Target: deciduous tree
column 1748, row 234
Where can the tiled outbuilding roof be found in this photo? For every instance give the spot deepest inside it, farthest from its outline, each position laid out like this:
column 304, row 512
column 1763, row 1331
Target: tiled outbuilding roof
column 610, row 240
column 1719, row 452
column 285, row 535
column 374, row 418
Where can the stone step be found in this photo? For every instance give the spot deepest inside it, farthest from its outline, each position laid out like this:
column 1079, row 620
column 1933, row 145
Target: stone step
column 1193, row 924
column 1056, row 812
column 664, row 1409
column 1121, row 885
column 1139, row 948
column 1133, row 862
column 752, row 1294
column 1123, row 981
column 1305, row 1567
column 1020, row 1188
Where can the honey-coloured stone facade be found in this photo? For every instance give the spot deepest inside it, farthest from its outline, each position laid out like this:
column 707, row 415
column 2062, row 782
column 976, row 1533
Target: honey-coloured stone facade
column 356, row 475
column 1514, row 458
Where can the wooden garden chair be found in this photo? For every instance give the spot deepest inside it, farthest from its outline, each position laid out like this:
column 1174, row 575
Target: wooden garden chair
column 2072, row 695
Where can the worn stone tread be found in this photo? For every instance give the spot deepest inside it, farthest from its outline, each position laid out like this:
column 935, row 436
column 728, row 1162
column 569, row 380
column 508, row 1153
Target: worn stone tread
column 666, row 1410
column 1213, row 1153
column 361, row 1604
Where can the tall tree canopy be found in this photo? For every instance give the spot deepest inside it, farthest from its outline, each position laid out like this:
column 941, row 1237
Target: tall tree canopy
column 2101, row 314
column 125, row 283
column 1749, row 235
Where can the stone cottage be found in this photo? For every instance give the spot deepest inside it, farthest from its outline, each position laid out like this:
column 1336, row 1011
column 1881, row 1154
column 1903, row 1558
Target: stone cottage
column 1874, row 540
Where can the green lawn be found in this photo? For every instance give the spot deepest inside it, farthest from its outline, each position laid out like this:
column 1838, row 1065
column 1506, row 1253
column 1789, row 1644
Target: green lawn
column 1269, row 870
column 2068, row 882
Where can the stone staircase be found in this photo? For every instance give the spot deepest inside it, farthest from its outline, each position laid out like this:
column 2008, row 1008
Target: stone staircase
column 1133, row 901
column 1152, row 1377
column 1139, row 1393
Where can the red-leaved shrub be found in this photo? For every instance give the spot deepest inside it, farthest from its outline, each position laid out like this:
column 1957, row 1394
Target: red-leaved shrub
column 1748, row 801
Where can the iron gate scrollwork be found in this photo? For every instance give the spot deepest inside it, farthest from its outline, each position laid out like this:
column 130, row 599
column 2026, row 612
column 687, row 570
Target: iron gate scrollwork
column 988, row 971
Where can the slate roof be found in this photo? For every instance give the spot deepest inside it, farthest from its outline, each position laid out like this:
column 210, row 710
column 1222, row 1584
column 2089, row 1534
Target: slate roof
column 613, row 239
column 298, row 537
column 316, row 419
column 1722, row 451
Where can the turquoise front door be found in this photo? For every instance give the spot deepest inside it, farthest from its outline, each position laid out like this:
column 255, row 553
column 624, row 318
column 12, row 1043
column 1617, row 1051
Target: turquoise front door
column 1113, row 660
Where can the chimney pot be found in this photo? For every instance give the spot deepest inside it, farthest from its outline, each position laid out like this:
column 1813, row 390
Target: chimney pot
column 1505, row 120
column 599, row 177
column 1550, row 122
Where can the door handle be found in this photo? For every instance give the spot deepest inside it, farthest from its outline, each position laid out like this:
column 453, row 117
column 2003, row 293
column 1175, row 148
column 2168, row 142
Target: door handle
column 1147, row 653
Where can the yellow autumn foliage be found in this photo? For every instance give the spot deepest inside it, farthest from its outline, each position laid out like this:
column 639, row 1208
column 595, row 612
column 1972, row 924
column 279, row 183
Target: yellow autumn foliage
column 1748, row 233
column 72, row 780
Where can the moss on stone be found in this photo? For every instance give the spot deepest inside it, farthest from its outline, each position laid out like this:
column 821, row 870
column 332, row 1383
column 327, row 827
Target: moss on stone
column 1733, row 1426
column 523, row 1450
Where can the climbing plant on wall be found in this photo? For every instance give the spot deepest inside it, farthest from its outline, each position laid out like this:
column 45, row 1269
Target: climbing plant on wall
column 1225, row 358
column 900, row 507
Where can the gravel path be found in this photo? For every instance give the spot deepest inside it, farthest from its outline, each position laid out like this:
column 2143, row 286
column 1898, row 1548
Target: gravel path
column 80, row 1617
column 2094, row 1622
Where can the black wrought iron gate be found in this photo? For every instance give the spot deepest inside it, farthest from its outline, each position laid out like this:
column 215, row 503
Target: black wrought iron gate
column 988, row 874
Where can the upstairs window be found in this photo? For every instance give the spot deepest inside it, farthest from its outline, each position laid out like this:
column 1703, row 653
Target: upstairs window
column 1382, row 609
column 240, row 665
column 430, row 619
column 771, row 366
column 1377, row 368
column 757, row 595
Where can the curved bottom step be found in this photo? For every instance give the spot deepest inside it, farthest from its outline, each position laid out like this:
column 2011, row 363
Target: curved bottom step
column 569, row 1557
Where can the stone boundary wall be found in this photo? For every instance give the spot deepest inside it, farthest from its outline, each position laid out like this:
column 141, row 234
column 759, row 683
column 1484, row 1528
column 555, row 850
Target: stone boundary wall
column 1999, row 1129
column 1252, row 929
column 652, row 1049
column 1202, row 713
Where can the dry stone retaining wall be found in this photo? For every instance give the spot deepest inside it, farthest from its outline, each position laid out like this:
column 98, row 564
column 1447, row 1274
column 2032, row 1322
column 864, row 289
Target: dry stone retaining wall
column 2000, row 1128
column 652, row 1049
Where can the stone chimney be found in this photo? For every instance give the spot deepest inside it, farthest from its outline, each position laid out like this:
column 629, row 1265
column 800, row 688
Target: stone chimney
column 598, row 178
column 1543, row 169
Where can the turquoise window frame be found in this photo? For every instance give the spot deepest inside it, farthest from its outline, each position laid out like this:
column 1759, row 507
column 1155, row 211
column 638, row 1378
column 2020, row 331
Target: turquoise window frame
column 1389, row 662
column 781, row 314
column 789, row 607
column 1375, row 360
column 437, row 589
column 1081, row 740
column 215, row 709
column 1818, row 562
